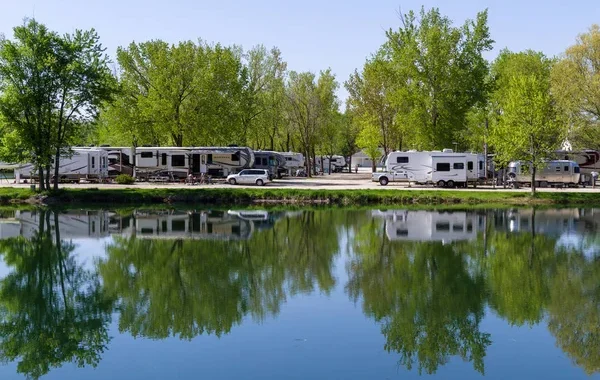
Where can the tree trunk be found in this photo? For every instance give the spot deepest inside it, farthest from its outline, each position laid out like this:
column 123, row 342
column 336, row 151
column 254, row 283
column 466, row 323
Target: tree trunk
column 532, row 179
column 41, row 178
column 373, row 166
column 56, row 166
column 307, row 162
column 47, row 177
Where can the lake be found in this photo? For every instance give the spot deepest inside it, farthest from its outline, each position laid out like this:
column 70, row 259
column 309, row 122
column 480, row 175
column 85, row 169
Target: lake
column 300, row 294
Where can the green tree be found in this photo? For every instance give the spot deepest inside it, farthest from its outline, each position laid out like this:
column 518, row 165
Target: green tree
column 528, row 127
column 441, row 74
column 576, row 87
column 52, row 86
column 368, row 140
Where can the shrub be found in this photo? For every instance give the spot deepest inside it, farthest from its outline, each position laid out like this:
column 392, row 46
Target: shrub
column 124, row 179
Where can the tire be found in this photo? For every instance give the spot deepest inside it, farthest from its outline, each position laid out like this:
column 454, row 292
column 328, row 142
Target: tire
column 450, row 184
column 383, row 181
column 441, row 183
column 260, row 182
column 232, row 181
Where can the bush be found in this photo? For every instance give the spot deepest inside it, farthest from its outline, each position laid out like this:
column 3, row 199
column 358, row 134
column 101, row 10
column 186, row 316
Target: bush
column 124, row 179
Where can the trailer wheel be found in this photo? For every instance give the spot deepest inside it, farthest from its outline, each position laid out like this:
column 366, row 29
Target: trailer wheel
column 441, row 183
column 232, row 181
column 450, row 184
column 543, row 184
column 383, row 181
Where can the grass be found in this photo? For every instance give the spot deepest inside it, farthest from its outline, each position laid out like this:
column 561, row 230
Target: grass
column 249, row 196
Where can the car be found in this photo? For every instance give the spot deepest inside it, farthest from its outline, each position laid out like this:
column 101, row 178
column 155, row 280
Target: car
column 259, row 177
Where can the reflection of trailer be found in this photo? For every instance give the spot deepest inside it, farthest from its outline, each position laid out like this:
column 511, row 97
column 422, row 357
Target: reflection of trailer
column 87, row 164
column 556, row 172
column 411, row 225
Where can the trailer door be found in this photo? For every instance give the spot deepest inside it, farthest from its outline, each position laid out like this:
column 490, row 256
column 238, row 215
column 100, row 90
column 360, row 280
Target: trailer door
column 196, row 167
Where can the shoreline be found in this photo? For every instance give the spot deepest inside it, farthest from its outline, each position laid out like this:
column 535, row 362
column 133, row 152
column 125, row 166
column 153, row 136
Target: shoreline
column 128, row 195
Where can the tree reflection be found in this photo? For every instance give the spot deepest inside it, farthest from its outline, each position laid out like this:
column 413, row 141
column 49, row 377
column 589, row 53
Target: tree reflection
column 52, row 310
column 186, row 288
column 428, row 304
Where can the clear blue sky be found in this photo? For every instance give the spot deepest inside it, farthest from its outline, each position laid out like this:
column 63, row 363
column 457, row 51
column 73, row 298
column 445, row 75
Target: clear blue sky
column 312, row 35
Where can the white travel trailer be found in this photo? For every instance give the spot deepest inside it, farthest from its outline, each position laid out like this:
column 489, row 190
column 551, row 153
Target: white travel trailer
column 293, row 161
column 556, row 172
column 337, row 163
column 442, row 168
column 413, row 225
column 71, row 225
column 88, row 164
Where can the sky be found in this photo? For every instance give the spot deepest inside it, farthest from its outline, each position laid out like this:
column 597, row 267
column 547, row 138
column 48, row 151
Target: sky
column 312, row 35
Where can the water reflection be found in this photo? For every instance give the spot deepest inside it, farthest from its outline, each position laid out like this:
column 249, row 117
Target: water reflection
column 51, row 309
column 427, row 278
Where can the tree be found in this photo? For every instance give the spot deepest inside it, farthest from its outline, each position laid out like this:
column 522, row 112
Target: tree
column 311, row 102
column 576, row 87
column 528, row 127
column 371, row 99
column 441, row 74
column 52, row 86
column 368, row 139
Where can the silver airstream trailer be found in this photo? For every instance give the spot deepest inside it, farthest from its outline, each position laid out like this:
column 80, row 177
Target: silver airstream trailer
column 556, row 172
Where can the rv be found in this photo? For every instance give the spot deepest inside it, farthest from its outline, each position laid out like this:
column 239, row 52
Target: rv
column 173, row 163
column 274, row 162
column 88, row 164
column 555, row 172
column 445, row 227
column 587, row 159
column 442, row 168
column 337, row 163
column 293, row 162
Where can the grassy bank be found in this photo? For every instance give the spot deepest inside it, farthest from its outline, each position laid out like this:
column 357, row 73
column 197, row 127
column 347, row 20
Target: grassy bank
column 249, row 196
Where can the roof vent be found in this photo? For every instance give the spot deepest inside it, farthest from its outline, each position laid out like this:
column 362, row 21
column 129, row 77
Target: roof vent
column 447, row 150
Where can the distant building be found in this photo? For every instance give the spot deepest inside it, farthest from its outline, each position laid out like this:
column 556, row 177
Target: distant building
column 362, row 160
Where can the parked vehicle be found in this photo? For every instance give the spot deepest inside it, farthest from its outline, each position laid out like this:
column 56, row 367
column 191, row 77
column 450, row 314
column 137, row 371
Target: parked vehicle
column 442, row 168
column 88, row 164
column 337, row 163
column 293, row 162
column 175, row 163
column 259, row 177
column 587, row 159
column 556, row 172
column 273, row 162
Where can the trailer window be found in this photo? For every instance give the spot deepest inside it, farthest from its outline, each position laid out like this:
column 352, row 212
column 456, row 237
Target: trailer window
column 566, row 168
column 480, row 165
column 235, row 157
column 146, row 154
column 557, row 168
column 178, row 160
column 459, row 165
column 576, row 169
column 164, row 159
column 442, row 167
column 209, row 158
column 470, row 165
column 401, row 232
column 442, row 227
column 402, row 160
column 93, row 162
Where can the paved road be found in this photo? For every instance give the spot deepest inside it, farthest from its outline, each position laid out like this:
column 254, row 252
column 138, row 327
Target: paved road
column 335, row 181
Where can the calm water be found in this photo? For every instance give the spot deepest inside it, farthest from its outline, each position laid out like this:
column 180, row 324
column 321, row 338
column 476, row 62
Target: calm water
column 331, row 294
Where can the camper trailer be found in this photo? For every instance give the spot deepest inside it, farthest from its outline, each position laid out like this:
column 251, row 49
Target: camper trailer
column 293, row 162
column 555, row 172
column 274, row 162
column 587, row 159
column 442, row 168
column 174, row 163
column 337, row 163
column 445, row 227
column 86, row 164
